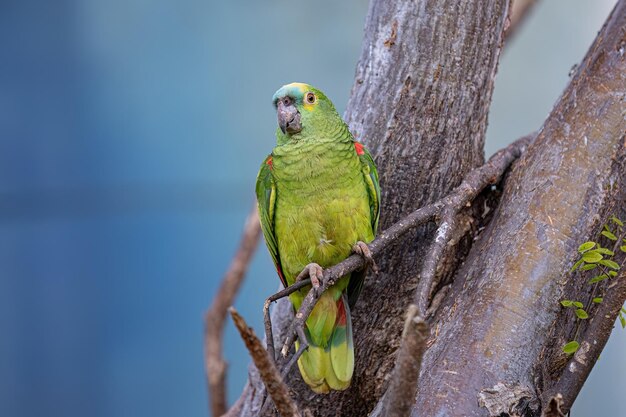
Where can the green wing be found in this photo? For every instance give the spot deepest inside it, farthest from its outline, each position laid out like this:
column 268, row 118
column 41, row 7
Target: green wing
column 370, row 175
column 266, row 199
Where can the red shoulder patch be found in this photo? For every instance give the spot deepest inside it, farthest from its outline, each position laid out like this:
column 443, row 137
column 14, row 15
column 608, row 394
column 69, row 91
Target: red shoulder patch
column 270, row 162
column 280, row 275
column 359, row 148
column 341, row 312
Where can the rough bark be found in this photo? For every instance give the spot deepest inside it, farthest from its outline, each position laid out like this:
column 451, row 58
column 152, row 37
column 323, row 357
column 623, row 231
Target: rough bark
column 496, row 325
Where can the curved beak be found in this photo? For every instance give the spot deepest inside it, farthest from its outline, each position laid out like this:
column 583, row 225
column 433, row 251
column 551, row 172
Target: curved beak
column 288, row 117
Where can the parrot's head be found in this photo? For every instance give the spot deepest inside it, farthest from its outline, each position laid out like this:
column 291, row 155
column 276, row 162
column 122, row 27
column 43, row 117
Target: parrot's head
column 302, row 110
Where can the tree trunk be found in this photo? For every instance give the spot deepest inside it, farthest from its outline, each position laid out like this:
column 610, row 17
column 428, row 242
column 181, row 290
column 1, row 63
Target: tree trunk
column 420, row 103
column 496, row 325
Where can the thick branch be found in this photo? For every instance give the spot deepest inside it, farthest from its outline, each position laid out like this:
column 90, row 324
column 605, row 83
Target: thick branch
column 270, row 376
column 215, row 366
column 400, row 395
column 473, row 184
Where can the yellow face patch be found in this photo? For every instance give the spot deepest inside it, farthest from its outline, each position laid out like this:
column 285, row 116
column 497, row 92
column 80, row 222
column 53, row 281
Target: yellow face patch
column 304, row 91
column 309, row 100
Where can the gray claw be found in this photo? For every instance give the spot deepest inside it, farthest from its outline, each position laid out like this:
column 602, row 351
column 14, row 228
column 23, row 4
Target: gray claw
column 361, row 249
column 314, row 272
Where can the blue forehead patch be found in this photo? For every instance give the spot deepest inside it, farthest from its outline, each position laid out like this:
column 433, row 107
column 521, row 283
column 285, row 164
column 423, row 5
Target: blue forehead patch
column 295, row 90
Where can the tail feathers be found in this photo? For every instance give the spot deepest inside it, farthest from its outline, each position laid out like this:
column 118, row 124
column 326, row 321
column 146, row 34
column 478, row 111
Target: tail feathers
column 341, row 345
column 331, row 367
column 321, row 322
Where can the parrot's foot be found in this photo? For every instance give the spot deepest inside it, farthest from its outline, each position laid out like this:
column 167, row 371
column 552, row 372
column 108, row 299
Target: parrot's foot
column 313, row 271
column 361, row 249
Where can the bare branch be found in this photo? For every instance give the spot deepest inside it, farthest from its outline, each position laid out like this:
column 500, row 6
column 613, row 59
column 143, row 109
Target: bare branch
column 596, row 336
column 475, row 181
column 429, row 269
column 269, row 334
column 400, row 396
column 520, row 9
column 270, row 376
column 215, row 365
column 236, row 408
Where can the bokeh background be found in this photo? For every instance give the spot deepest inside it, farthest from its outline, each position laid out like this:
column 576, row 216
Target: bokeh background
column 130, row 136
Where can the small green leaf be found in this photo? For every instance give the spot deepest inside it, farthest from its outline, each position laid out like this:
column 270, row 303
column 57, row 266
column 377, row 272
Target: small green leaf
column 623, row 310
column 586, row 246
column 597, row 300
column 588, row 267
column 605, row 251
column 581, row 314
column 609, row 264
column 623, row 321
column 576, row 265
column 567, row 303
column 598, row 278
column 592, row 257
column 608, row 235
column 616, row 221
column 578, row 304
column 613, row 273
column 623, row 248
column 571, row 347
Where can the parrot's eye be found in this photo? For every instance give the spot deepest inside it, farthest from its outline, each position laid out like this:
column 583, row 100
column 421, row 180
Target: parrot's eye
column 310, row 98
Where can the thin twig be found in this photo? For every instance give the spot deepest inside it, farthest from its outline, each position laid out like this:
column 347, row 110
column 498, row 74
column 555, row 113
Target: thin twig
column 215, row 317
column 429, row 268
column 235, row 409
column 520, row 9
column 269, row 334
column 268, row 372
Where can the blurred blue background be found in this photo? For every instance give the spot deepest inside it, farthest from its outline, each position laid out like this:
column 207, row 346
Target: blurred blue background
column 130, row 136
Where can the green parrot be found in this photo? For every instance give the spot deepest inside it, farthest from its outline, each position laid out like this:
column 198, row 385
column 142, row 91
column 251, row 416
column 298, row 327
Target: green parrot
column 318, row 198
